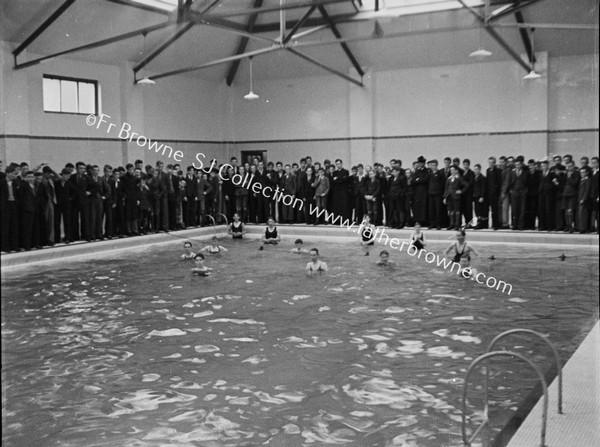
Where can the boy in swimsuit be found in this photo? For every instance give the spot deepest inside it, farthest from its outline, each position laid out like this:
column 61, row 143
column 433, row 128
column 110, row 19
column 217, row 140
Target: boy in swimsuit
column 384, row 259
column 200, row 269
column 462, row 253
column 270, row 236
column 189, row 254
column 298, row 247
column 214, row 247
column 315, row 265
column 417, row 239
column 367, row 234
column 236, row 229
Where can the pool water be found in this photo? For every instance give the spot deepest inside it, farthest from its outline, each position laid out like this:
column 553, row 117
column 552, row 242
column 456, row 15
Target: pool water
column 135, row 351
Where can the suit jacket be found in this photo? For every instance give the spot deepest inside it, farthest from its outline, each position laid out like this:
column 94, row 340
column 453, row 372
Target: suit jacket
column 28, row 198
column 518, row 181
column 453, row 185
column 533, row 182
column 3, row 193
column 82, row 185
column 373, row 187
column 505, row 177
column 290, row 184
column 584, row 191
column 322, row 186
column 398, row 186
column 64, row 193
column 203, row 188
column 595, row 185
column 571, row 184
column 479, row 186
column 493, row 180
column 546, row 185
column 191, row 188
column 437, row 182
column 469, row 177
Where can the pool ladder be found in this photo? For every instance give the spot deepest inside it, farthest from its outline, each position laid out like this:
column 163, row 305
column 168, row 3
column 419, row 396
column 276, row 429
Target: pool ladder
column 489, row 354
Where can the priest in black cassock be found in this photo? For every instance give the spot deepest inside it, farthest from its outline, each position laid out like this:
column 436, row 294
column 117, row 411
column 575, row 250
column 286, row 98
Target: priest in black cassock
column 340, row 202
column 421, row 184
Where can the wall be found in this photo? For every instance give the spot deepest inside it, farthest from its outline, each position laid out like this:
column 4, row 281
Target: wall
column 178, row 111
column 472, row 110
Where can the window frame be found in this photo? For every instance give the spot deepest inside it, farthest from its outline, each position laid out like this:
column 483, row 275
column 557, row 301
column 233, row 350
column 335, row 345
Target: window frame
column 77, row 81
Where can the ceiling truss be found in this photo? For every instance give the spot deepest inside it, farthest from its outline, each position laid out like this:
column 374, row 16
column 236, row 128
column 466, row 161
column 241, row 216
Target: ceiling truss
column 184, row 18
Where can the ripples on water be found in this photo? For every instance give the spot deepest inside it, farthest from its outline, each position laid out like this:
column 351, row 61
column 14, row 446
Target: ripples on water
column 138, row 352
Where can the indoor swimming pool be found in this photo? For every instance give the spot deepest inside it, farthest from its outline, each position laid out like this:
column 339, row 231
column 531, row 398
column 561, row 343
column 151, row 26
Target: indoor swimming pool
column 133, row 350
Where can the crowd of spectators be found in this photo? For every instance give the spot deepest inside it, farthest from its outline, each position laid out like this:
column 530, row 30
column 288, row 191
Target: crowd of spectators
column 42, row 207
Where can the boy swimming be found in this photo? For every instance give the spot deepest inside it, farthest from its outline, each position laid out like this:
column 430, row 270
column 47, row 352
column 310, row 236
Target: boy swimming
column 298, row 247
column 236, row 228
column 200, row 269
column 315, row 265
column 384, row 259
column 189, row 254
column 270, row 236
column 462, row 253
column 367, row 234
column 214, row 247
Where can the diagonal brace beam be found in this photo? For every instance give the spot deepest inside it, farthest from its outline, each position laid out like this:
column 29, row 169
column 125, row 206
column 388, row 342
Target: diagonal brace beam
column 344, row 45
column 97, row 44
column 325, row 67
column 517, row 6
column 49, row 21
column 492, row 32
column 242, row 45
column 163, row 47
column 525, row 38
column 298, row 25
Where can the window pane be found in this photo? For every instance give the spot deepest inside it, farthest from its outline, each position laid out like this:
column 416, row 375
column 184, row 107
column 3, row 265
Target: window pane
column 87, row 98
column 51, row 88
column 68, row 96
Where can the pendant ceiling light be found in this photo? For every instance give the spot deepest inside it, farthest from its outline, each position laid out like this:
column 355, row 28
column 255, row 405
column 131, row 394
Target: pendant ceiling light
column 480, row 53
column 251, row 95
column 532, row 74
column 145, row 80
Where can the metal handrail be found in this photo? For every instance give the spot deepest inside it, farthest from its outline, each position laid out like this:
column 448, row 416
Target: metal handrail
column 466, row 440
column 555, row 352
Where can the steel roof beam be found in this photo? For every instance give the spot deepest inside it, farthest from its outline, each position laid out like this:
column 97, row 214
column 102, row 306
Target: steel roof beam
column 163, row 46
column 97, row 44
column 338, row 35
column 40, row 29
column 233, row 68
column 492, row 32
column 298, row 25
column 517, row 6
column 324, row 67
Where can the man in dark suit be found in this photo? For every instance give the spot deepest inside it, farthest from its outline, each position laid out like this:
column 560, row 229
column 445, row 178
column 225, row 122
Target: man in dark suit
column 29, row 209
column 65, row 192
column 339, row 179
column 493, row 180
column 467, row 196
column 479, row 197
column 518, row 194
column 533, row 186
column 420, row 181
column 584, row 196
column 190, row 198
column 106, row 186
column 435, row 192
column 594, row 193
column 80, row 224
column 9, row 210
column 172, row 193
column 546, row 191
column 569, row 196
column 559, row 177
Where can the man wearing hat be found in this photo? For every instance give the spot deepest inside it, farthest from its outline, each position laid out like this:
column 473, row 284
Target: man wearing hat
column 421, row 185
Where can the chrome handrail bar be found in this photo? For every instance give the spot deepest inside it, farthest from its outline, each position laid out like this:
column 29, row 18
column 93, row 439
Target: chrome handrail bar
column 468, row 440
column 554, row 351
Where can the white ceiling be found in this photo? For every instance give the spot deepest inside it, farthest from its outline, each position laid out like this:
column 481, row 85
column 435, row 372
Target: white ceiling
column 416, row 45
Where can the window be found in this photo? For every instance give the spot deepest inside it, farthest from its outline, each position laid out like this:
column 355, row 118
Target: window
column 68, row 95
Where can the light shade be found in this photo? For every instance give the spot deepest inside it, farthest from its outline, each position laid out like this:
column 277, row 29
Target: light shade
column 146, row 81
column 480, row 53
column 251, row 96
column 532, row 75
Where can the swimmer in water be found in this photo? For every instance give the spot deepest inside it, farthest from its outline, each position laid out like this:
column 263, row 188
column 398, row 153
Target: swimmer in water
column 200, row 269
column 367, row 234
column 462, row 253
column 315, row 265
column 236, row 228
column 298, row 247
column 384, row 259
column 417, row 238
column 189, row 254
column 270, row 237
column 214, row 247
